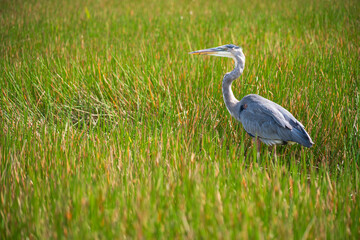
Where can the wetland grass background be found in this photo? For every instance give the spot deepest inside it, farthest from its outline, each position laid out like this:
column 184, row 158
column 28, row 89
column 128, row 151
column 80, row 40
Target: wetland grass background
column 109, row 129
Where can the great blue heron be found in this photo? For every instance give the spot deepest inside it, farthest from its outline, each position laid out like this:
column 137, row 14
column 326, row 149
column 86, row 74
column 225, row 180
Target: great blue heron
column 261, row 118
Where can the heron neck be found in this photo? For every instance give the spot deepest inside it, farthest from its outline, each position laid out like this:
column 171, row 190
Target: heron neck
column 229, row 98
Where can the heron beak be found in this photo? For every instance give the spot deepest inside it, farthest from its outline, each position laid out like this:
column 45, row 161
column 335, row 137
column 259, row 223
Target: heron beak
column 209, row 51
column 218, row 51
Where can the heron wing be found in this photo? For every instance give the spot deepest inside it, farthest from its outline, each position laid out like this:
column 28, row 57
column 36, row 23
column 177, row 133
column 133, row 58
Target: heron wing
column 267, row 110
column 261, row 123
column 270, row 121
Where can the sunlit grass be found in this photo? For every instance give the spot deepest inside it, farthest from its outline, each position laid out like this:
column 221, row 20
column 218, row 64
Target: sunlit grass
column 109, row 129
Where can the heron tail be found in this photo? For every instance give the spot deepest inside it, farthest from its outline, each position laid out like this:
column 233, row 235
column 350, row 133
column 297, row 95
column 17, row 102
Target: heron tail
column 300, row 136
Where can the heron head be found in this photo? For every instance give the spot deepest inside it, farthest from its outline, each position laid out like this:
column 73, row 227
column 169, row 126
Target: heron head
column 228, row 50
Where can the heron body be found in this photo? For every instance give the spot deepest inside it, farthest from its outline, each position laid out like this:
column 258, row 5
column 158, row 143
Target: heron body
column 261, row 118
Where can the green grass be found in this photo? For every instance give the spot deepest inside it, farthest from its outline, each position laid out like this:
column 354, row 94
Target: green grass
column 109, row 129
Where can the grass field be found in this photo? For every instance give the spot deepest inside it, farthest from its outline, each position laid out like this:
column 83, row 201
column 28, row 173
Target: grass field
column 109, row 129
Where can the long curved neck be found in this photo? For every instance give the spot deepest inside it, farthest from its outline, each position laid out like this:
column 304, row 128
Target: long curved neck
column 229, row 98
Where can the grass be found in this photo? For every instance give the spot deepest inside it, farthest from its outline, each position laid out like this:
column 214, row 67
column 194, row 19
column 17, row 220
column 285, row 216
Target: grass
column 109, row 129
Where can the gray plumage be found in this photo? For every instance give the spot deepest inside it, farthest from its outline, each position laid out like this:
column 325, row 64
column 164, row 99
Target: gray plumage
column 260, row 117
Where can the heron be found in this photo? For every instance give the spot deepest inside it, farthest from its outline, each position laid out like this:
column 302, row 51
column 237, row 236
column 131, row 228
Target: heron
column 264, row 120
